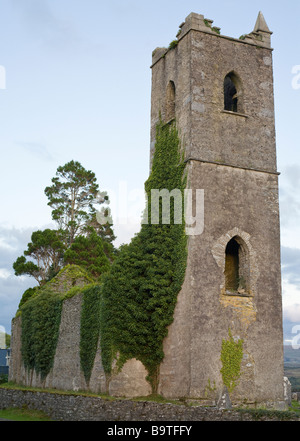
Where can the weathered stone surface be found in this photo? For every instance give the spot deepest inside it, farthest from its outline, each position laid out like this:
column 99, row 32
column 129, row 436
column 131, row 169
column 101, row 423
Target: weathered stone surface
column 224, row 401
column 296, row 396
column 80, row 408
column 66, row 373
column 287, row 391
column 123, row 384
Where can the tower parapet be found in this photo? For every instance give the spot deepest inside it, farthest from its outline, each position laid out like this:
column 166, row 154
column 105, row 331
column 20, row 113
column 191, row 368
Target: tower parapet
column 260, row 36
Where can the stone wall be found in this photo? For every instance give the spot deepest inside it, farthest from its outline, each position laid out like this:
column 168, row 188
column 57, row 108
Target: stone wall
column 81, row 408
column 66, row 373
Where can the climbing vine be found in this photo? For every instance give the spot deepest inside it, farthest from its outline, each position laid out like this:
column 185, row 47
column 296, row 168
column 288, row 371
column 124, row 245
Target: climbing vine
column 89, row 329
column 140, row 293
column 135, row 305
column 40, row 327
column 231, row 358
column 40, row 310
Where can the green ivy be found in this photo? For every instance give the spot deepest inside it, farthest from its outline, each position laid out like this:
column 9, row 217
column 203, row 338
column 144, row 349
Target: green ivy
column 231, row 358
column 40, row 309
column 89, row 329
column 138, row 296
column 27, row 295
column 40, row 328
column 140, row 293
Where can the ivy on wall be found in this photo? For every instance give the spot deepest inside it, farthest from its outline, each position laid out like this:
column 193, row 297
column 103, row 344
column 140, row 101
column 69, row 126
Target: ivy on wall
column 140, row 293
column 40, row 310
column 40, row 327
column 89, row 329
column 135, row 304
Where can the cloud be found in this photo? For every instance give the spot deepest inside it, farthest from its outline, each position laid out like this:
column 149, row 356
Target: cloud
column 289, row 200
column 292, row 175
column 290, row 258
column 4, row 273
column 290, row 288
column 37, row 149
column 42, row 23
column 13, row 242
column 11, row 290
column 292, row 313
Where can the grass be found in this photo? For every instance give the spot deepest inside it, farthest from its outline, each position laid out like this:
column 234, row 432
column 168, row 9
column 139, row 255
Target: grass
column 295, row 407
column 156, row 398
column 12, row 385
column 23, row 414
column 280, row 415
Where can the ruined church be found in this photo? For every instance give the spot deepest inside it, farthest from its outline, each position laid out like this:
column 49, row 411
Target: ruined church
column 219, row 90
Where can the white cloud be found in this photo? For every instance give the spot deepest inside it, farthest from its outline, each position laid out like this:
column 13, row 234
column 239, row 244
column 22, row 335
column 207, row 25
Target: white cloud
column 291, row 301
column 292, row 312
column 41, row 22
column 4, row 273
column 6, row 246
column 38, row 149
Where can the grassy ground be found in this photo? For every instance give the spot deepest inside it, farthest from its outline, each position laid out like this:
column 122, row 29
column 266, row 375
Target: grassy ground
column 23, row 414
column 154, row 397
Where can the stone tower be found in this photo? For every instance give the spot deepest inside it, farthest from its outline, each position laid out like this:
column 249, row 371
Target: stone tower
column 220, row 91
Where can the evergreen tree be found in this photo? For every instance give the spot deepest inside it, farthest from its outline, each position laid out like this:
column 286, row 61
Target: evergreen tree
column 46, row 251
column 72, row 196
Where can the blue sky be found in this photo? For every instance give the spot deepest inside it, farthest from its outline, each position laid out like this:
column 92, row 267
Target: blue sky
column 78, row 84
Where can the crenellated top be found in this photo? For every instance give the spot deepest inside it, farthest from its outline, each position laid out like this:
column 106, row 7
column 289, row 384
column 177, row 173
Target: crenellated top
column 260, row 36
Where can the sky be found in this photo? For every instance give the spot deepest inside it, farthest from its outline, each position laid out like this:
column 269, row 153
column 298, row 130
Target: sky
column 75, row 83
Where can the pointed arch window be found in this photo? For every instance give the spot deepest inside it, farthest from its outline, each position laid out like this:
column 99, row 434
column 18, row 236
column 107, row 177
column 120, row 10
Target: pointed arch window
column 233, row 93
column 170, row 101
column 237, row 270
column 232, row 266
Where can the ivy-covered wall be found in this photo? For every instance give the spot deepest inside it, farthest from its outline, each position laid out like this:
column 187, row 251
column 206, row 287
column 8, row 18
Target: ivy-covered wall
column 140, row 293
column 130, row 313
column 40, row 311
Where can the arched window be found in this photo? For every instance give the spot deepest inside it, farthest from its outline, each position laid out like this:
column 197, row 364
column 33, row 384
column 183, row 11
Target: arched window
column 232, row 266
column 237, row 271
column 170, row 101
column 232, row 93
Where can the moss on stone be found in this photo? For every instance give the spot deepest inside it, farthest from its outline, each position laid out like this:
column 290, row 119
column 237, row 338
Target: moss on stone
column 231, row 358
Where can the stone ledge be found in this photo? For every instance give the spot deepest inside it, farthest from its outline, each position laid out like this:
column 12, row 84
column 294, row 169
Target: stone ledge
column 229, row 112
